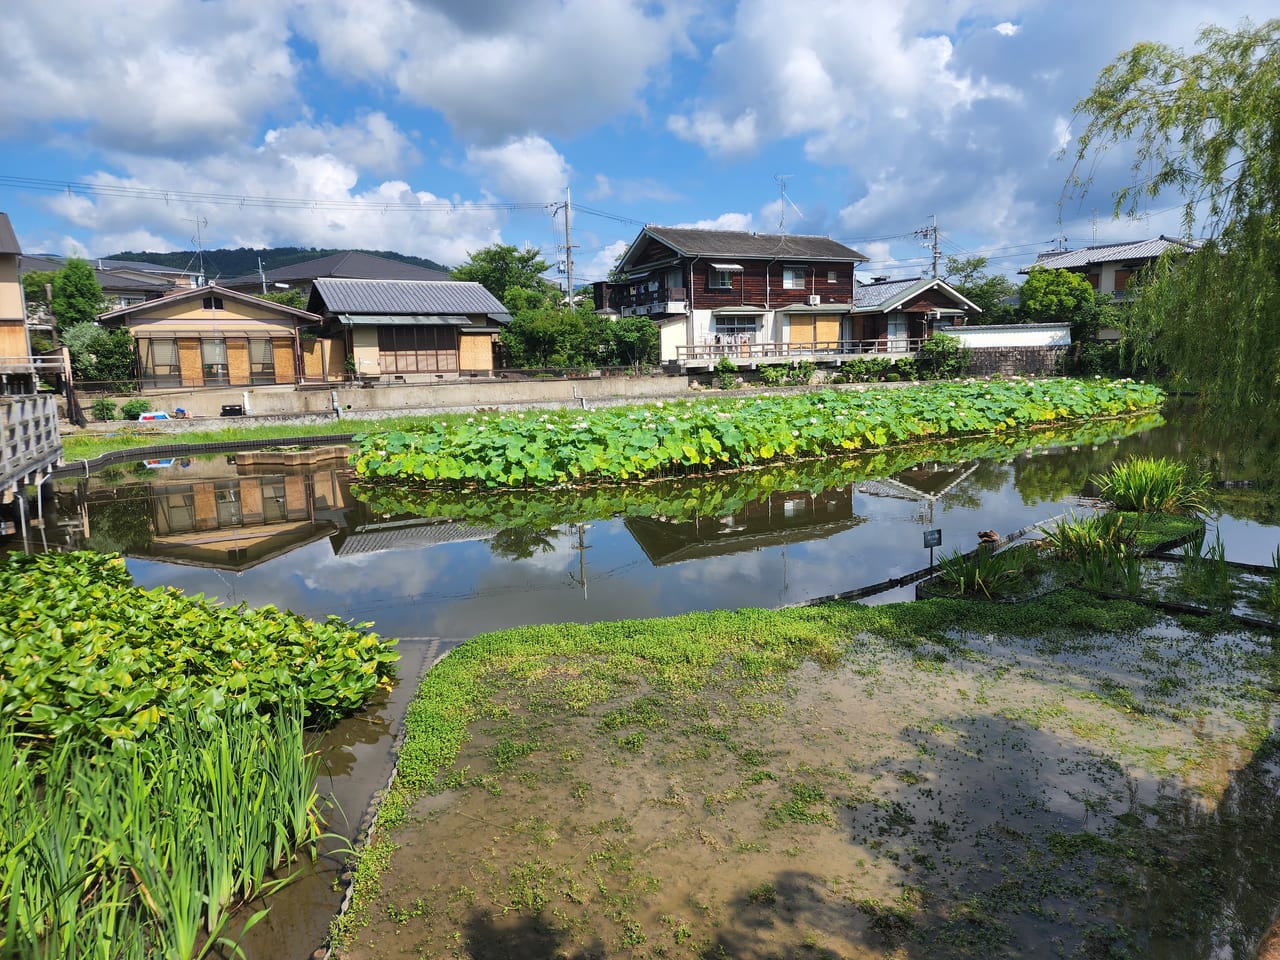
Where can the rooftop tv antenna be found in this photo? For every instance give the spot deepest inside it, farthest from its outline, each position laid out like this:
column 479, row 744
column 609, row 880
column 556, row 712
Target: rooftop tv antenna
column 781, row 180
column 199, row 222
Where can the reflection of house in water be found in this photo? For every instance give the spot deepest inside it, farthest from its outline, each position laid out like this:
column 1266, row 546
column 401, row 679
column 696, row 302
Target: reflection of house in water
column 781, row 519
column 237, row 522
column 404, row 533
column 925, row 483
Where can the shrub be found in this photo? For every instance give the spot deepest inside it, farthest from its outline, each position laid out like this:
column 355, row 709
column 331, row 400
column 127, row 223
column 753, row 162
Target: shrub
column 802, row 372
column 1154, row 485
column 133, row 409
column 104, row 408
column 942, row 357
column 907, row 368
column 772, row 376
column 726, row 372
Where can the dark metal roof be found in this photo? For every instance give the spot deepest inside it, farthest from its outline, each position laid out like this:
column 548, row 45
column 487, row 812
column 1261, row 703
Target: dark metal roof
column 416, row 297
column 351, row 265
column 8, row 239
column 736, row 243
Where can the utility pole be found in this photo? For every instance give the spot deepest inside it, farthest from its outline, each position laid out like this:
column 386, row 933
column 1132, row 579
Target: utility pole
column 568, row 245
column 930, row 235
column 263, row 275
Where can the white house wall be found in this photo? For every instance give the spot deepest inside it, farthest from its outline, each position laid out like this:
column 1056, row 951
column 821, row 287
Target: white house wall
column 1012, row 335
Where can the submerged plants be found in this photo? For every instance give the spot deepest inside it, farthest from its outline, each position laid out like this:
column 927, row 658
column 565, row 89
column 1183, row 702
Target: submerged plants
column 1154, row 485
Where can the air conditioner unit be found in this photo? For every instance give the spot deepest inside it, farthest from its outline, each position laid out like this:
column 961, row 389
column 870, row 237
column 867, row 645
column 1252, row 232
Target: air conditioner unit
column 815, row 299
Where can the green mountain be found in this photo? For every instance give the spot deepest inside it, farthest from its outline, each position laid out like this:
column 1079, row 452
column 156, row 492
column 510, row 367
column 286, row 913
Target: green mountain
column 226, row 263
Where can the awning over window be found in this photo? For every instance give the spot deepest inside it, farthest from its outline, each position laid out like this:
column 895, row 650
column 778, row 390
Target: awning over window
column 739, row 312
column 726, row 266
column 402, row 320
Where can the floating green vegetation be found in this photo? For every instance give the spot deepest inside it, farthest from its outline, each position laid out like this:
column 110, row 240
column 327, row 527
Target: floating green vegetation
column 692, row 437
column 1154, row 485
column 984, row 571
column 146, row 852
column 84, row 651
column 726, row 493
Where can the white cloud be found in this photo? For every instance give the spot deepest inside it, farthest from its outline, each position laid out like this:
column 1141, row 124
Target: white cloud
column 528, row 169
column 726, row 221
column 142, row 75
column 714, row 133
column 602, row 261
column 290, row 197
column 1007, row 29
column 498, row 71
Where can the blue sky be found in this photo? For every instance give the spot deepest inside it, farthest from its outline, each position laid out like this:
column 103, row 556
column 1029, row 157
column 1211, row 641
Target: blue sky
column 437, row 127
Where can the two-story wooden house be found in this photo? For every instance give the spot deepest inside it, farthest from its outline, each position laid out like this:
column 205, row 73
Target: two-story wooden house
column 1110, row 267
column 725, row 288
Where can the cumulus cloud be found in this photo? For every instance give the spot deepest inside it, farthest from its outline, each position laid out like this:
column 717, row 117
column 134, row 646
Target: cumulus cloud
column 726, row 221
column 501, row 70
column 528, row 169
column 1006, row 29
column 285, row 193
column 147, row 75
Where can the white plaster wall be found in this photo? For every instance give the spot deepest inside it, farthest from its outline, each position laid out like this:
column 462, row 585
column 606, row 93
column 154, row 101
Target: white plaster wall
column 1012, row 335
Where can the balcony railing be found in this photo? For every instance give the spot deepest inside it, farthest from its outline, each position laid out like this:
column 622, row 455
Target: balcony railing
column 647, row 298
column 746, row 351
column 30, row 444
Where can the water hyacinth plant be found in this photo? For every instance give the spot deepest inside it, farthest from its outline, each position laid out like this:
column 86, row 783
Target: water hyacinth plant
column 87, row 652
column 689, row 437
column 1154, row 485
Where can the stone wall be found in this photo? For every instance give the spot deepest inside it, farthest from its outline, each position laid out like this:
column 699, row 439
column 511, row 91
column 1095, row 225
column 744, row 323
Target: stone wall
column 1025, row 361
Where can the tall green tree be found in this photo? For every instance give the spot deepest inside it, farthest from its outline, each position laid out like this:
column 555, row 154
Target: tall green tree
column 77, row 296
column 987, row 291
column 1204, row 125
column 99, row 355
column 503, row 269
column 1055, row 296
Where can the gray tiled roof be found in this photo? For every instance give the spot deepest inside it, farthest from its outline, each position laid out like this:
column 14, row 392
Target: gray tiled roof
column 736, row 243
column 406, row 297
column 1108, row 253
column 877, row 294
column 108, row 280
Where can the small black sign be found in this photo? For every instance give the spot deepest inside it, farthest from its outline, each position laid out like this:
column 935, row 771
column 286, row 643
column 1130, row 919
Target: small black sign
column 933, row 538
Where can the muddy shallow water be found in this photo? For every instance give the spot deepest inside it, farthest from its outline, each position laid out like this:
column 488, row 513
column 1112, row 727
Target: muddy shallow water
column 1000, row 797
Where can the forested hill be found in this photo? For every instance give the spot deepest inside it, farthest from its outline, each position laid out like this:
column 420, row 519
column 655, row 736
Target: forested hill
column 244, row 260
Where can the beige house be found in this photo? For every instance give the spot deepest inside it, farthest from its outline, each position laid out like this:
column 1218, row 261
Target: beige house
column 410, row 331
column 16, row 370
column 213, row 337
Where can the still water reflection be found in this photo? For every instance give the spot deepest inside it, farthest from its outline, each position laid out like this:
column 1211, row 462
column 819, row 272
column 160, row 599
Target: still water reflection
column 419, row 564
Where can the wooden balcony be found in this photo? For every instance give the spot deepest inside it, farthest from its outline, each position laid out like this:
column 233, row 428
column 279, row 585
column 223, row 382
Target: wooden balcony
column 749, row 355
column 652, row 302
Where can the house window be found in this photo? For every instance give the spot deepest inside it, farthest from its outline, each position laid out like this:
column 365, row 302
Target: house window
column 213, row 362
column 159, row 362
column 720, row 279
column 793, row 278
column 262, row 362
column 413, row 349
column 213, row 303
column 731, row 329
column 1122, row 280
column 831, row 276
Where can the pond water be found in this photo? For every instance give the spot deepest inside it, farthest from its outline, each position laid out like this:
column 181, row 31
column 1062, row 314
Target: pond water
column 436, row 570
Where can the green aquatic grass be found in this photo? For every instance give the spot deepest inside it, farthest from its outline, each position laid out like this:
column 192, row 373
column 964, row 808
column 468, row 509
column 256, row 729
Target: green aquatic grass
column 1155, row 485
column 145, row 852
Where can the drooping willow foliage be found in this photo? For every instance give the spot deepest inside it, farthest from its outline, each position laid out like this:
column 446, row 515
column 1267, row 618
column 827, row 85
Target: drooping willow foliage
column 1206, row 125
